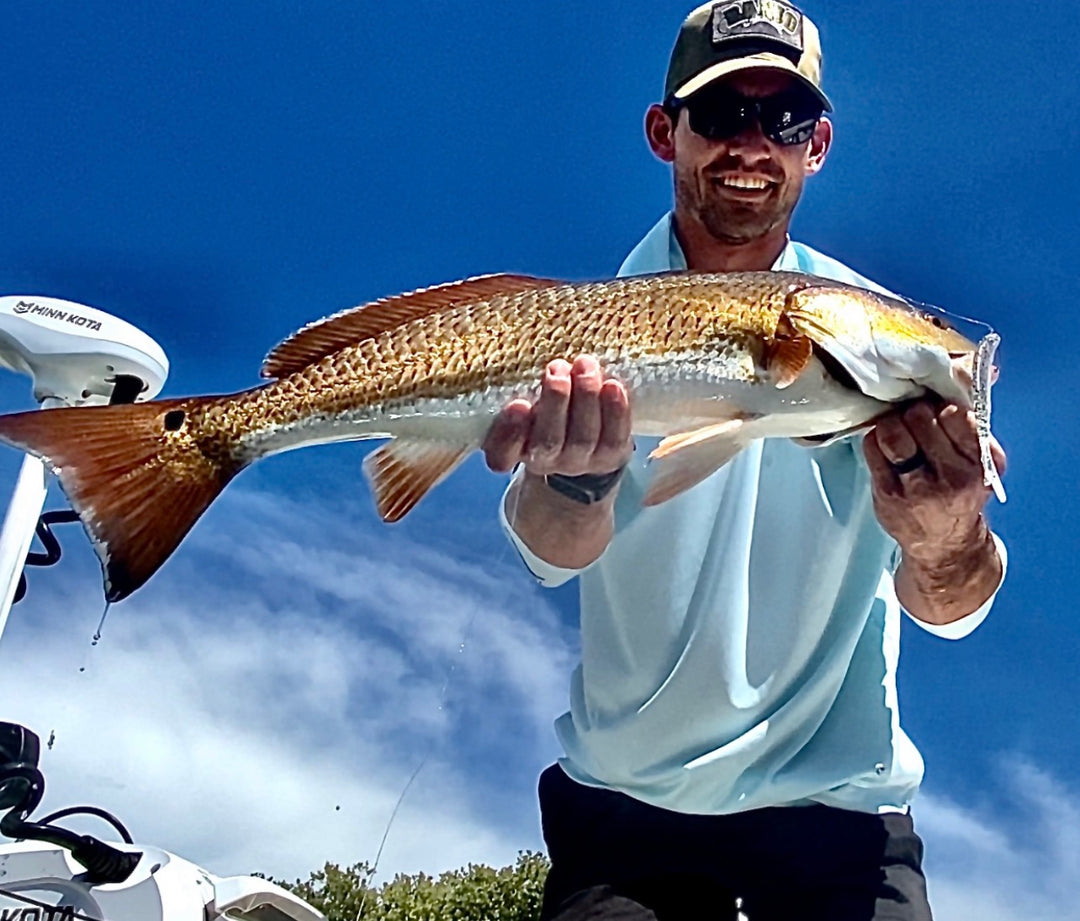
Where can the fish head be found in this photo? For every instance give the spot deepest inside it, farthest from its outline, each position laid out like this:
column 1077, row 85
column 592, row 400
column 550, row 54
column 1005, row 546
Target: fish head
column 891, row 350
column 924, row 346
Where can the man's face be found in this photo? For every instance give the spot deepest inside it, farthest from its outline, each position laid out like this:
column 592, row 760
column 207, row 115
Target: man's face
column 743, row 187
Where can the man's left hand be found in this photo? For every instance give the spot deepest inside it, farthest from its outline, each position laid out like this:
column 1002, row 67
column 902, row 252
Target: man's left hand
column 927, row 483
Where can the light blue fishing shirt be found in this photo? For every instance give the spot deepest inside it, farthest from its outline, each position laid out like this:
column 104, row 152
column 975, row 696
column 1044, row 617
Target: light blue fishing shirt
column 739, row 642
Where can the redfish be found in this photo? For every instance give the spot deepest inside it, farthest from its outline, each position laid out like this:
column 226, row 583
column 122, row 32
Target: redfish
column 711, row 362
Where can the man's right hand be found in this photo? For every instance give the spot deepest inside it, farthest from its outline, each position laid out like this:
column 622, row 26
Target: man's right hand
column 579, row 423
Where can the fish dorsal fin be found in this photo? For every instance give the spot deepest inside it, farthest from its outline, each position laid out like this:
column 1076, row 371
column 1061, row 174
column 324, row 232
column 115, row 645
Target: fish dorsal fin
column 402, row 471
column 682, row 461
column 330, row 334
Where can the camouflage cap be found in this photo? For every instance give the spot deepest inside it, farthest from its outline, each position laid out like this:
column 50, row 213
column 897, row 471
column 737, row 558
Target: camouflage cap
column 720, row 38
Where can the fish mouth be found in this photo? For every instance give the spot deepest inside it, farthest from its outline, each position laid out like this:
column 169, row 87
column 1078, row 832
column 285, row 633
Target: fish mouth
column 963, row 369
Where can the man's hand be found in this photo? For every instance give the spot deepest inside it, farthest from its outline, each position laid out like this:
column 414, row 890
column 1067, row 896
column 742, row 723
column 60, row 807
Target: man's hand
column 927, row 482
column 580, row 423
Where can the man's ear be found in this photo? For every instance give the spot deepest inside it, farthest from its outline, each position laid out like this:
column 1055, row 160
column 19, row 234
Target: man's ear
column 660, row 133
column 819, row 146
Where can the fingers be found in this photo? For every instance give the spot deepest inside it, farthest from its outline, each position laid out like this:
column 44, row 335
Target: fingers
column 944, row 437
column 894, row 439
column 550, row 413
column 962, row 431
column 583, row 421
column 885, row 479
column 579, row 423
column 505, row 440
column 943, row 460
column 615, row 443
column 936, row 503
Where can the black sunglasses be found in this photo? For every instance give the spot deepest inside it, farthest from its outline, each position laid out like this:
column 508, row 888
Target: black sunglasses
column 787, row 118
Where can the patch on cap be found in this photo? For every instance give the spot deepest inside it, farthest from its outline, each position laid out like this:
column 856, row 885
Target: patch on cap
column 759, row 19
column 720, row 37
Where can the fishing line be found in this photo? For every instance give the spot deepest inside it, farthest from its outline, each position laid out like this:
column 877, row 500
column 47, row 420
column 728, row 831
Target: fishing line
column 451, row 670
column 96, row 638
column 934, row 308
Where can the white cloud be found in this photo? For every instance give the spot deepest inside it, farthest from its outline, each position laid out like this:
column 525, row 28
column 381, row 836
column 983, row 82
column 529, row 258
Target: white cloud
column 1021, row 866
column 262, row 702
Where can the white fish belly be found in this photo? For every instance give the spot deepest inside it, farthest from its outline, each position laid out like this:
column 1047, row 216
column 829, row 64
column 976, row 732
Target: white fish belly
column 814, row 404
column 462, row 420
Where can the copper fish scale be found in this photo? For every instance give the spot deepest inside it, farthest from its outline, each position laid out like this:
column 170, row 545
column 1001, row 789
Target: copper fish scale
column 508, row 340
column 432, row 367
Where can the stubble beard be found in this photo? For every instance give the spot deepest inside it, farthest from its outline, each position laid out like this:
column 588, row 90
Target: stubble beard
column 728, row 221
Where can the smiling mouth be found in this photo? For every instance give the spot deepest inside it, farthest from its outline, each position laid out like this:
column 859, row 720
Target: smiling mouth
column 744, row 183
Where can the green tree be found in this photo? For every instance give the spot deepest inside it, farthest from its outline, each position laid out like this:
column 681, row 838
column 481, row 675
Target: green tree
column 472, row 893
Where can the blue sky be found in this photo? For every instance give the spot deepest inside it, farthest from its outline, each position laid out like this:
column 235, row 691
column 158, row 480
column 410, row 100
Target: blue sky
column 219, row 174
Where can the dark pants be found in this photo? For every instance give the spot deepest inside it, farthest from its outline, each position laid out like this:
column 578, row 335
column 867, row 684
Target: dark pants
column 614, row 857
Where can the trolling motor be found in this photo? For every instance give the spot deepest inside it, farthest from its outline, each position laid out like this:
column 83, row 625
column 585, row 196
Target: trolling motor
column 78, row 356
column 54, row 874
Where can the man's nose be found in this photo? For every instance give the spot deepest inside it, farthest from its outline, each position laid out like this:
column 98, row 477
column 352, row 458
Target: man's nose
column 751, row 142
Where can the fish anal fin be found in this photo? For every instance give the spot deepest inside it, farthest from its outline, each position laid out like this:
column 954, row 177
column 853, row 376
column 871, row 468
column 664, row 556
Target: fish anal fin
column 326, row 336
column 786, row 359
column 682, row 461
column 402, row 471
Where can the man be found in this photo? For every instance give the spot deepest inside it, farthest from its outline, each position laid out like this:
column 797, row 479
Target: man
column 733, row 740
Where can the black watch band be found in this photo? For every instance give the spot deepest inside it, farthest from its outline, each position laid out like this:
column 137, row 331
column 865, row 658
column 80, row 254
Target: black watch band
column 587, row 488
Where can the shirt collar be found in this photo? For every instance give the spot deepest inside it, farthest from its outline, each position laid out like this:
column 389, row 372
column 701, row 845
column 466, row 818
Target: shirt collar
column 659, row 251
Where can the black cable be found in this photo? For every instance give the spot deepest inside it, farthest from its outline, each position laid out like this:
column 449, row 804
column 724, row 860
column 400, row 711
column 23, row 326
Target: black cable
column 48, row 541
column 103, row 862
column 21, row 789
column 89, row 810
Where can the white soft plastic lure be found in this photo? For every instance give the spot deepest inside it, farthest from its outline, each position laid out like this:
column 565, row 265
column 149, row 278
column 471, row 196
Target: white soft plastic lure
column 982, row 382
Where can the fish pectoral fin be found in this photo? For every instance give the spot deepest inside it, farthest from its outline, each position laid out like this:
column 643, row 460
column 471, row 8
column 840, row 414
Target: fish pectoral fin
column 682, row 461
column 401, row 472
column 786, row 359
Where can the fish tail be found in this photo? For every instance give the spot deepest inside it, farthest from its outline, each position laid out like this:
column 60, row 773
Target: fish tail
column 138, row 475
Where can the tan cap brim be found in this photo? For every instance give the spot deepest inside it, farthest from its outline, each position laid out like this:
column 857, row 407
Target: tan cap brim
column 763, row 61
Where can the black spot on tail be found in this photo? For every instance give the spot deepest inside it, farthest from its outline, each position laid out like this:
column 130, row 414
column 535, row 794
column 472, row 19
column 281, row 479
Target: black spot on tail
column 174, row 419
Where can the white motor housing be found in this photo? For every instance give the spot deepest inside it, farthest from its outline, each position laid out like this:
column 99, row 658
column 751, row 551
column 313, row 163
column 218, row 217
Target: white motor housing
column 40, row 882
column 76, row 353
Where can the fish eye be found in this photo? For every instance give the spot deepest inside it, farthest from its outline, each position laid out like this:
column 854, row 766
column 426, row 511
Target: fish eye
column 936, row 320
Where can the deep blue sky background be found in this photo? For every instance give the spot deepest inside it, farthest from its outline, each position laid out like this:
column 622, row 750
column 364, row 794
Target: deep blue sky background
column 219, row 174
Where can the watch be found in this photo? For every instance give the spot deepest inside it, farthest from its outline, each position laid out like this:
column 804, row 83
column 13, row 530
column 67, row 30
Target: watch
column 587, row 488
